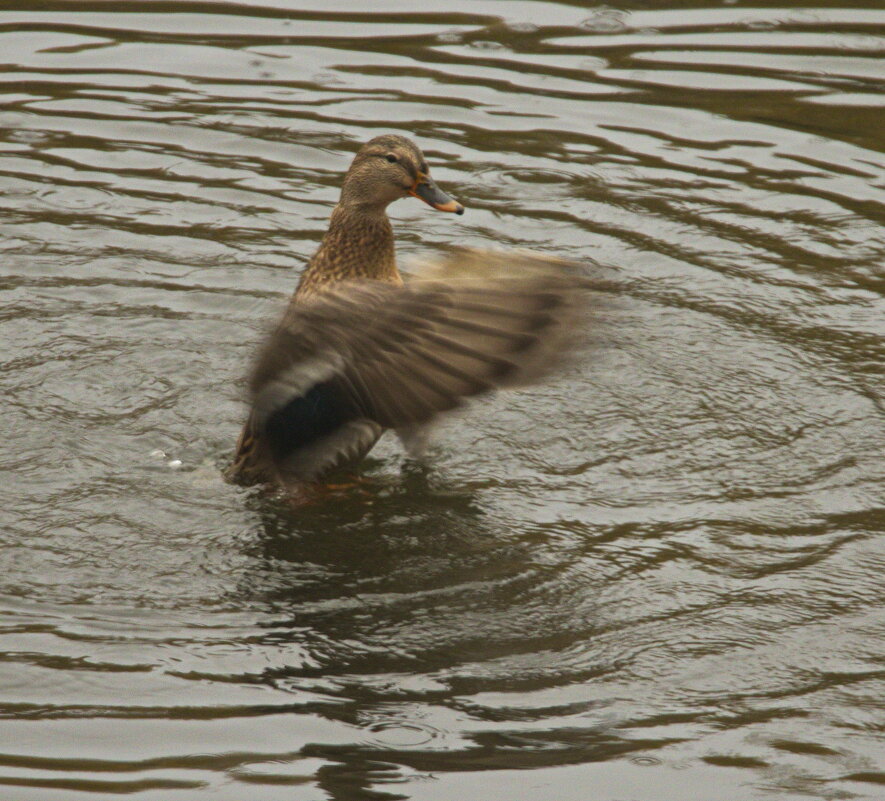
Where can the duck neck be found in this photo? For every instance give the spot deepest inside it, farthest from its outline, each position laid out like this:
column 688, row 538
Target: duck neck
column 357, row 245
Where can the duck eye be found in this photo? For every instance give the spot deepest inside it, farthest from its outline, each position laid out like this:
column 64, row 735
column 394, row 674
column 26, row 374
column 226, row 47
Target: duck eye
column 391, row 158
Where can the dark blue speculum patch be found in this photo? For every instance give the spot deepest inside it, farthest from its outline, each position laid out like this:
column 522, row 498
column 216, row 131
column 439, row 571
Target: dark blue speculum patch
column 307, row 418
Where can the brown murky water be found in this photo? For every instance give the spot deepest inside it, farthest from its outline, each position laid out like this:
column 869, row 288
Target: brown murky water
column 657, row 578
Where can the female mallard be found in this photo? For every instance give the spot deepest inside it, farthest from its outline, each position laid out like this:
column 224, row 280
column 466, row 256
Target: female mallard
column 358, row 351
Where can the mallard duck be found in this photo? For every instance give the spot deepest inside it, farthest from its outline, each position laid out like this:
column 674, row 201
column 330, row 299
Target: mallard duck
column 359, row 351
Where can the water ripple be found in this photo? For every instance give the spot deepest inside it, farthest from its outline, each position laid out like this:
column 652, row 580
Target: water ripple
column 659, row 573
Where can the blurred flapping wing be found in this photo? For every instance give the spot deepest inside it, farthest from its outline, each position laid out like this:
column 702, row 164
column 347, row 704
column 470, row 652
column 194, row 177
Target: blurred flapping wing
column 368, row 355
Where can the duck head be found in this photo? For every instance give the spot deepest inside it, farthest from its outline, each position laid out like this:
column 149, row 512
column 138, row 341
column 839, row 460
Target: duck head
column 388, row 168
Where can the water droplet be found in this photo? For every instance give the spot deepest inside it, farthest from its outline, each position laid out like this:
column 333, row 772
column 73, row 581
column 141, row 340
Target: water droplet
column 605, row 20
column 523, row 27
column 487, row 45
column 762, row 24
column 449, row 37
column 28, row 137
column 400, row 734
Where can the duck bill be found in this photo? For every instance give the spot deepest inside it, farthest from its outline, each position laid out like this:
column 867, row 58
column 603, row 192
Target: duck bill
column 426, row 189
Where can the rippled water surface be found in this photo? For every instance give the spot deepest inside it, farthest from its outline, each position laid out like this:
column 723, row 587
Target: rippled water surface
column 659, row 577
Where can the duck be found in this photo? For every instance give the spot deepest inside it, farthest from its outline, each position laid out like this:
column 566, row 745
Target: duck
column 360, row 351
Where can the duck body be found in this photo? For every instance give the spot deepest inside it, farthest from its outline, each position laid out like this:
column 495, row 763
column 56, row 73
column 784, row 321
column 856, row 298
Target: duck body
column 358, row 351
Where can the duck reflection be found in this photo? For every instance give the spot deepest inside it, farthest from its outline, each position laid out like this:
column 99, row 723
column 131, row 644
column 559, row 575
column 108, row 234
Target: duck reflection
column 377, row 541
column 399, row 603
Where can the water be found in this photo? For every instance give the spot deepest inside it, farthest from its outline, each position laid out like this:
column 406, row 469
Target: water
column 656, row 578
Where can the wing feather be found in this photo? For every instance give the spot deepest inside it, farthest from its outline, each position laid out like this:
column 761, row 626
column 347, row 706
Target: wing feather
column 363, row 356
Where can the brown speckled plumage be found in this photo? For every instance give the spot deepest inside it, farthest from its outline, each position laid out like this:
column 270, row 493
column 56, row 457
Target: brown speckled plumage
column 359, row 352
column 358, row 245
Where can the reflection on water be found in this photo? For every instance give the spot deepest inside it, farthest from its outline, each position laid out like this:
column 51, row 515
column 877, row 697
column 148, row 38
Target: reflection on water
column 657, row 577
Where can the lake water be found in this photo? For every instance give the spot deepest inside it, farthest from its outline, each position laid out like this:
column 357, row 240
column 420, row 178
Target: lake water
column 658, row 577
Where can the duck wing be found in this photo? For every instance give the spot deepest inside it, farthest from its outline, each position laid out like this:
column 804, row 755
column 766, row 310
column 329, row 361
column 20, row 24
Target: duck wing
column 365, row 356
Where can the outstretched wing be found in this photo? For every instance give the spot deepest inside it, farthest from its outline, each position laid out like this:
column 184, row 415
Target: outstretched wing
column 365, row 356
